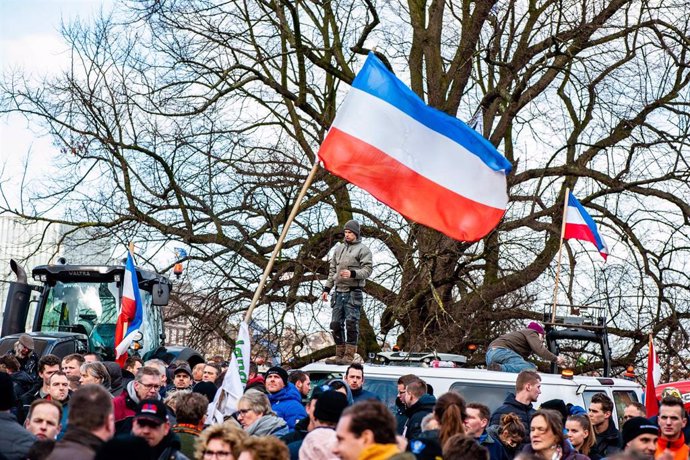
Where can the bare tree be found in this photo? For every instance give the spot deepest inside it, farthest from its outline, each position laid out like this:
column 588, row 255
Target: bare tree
column 197, row 122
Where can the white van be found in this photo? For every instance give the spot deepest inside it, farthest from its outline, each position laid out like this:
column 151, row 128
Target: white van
column 484, row 386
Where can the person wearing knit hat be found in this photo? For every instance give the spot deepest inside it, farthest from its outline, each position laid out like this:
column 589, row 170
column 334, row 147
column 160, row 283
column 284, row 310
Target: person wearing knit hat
column 319, row 443
column 640, row 437
column 23, row 350
column 509, row 352
column 285, row 398
column 349, row 267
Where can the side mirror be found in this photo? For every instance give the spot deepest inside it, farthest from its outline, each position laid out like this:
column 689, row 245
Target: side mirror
column 161, row 293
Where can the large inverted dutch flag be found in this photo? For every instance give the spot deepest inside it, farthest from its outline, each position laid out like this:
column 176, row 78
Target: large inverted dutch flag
column 579, row 225
column 425, row 164
column 131, row 316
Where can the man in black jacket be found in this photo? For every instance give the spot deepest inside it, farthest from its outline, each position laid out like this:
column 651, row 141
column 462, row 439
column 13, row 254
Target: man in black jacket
column 608, row 437
column 89, row 424
column 418, row 404
column 528, row 389
column 151, row 423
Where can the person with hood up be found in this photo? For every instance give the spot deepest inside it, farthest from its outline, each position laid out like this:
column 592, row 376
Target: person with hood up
column 547, row 440
column 286, row 400
column 418, row 403
column 151, row 423
column 350, row 266
column 344, row 388
column 256, row 417
column 115, row 373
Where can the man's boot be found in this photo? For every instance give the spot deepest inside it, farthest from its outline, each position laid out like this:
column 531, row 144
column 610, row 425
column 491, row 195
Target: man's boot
column 339, row 354
column 350, row 351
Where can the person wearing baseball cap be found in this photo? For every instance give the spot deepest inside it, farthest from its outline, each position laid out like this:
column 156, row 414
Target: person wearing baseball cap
column 182, row 377
column 509, row 352
column 286, row 400
column 151, row 423
column 640, row 437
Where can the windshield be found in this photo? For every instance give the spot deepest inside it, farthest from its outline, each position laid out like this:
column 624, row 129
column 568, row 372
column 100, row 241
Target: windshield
column 92, row 309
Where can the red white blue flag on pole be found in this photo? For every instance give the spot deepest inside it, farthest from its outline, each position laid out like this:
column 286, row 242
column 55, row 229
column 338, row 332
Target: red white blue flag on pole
column 131, row 316
column 425, row 164
column 579, row 225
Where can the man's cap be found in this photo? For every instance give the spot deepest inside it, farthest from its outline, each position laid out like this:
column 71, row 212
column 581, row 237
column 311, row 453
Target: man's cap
column 671, row 392
column 282, row 373
column 329, row 406
column 183, row 367
column 637, row 426
column 536, row 327
column 7, row 398
column 353, row 226
column 153, row 410
column 27, row 341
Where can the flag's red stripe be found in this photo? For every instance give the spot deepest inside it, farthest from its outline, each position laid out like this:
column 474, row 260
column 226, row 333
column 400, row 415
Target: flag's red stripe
column 650, row 401
column 405, row 190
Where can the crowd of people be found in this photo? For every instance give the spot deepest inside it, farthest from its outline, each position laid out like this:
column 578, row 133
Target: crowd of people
column 78, row 408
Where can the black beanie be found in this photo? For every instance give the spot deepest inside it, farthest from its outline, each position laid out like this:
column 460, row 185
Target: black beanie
column 330, row 406
column 207, row 389
column 557, row 405
column 636, row 426
column 7, row 398
column 282, row 373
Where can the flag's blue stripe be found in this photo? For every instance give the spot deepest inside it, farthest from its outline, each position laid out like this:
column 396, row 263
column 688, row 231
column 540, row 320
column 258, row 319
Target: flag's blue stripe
column 138, row 317
column 377, row 80
column 572, row 201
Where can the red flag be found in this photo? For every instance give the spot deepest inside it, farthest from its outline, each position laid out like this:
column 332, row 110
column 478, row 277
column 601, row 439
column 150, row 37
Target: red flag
column 653, row 377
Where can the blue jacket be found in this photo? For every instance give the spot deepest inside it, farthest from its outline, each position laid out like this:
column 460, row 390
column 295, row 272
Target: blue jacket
column 495, row 448
column 287, row 404
column 363, row 395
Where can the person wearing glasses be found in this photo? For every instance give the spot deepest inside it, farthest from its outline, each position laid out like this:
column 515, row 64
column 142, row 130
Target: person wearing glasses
column 146, row 385
column 151, row 423
column 256, row 416
column 220, row 442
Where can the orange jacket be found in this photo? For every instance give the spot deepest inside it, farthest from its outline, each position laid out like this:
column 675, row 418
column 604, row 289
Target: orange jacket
column 678, row 448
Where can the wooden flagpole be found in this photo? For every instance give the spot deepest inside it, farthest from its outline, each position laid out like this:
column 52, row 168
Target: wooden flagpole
column 560, row 251
column 279, row 243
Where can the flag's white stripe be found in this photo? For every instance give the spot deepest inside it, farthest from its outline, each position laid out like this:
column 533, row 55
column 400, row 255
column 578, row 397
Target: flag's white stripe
column 421, row 149
column 574, row 217
column 122, row 347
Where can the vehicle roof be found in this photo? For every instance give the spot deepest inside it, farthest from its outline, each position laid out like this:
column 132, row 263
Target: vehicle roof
column 85, row 273
column 469, row 374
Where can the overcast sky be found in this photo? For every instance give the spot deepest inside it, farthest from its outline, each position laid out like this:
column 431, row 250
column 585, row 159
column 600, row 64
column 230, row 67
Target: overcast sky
column 30, row 40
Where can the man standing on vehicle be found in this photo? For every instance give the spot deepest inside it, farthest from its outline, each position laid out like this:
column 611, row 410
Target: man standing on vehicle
column 528, row 389
column 354, row 377
column 608, row 437
column 509, row 352
column 672, row 420
column 350, row 266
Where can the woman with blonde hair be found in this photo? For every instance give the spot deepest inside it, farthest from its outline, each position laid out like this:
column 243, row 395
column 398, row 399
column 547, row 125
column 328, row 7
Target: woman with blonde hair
column 581, row 435
column 220, row 441
column 256, row 416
